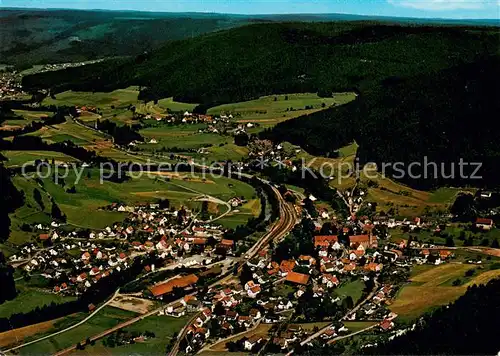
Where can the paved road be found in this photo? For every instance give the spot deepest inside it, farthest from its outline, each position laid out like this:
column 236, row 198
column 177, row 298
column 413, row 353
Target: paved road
column 351, row 334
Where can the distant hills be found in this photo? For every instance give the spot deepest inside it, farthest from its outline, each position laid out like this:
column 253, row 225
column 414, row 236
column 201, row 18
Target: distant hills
column 47, row 36
column 37, row 36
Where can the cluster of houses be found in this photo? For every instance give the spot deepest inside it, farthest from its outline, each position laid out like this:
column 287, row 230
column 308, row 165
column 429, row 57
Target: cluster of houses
column 10, row 84
column 219, row 307
column 72, row 267
column 73, row 261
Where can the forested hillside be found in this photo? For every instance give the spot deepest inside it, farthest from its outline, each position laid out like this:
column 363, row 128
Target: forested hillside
column 466, row 327
column 445, row 116
column 46, row 36
column 263, row 59
column 423, row 90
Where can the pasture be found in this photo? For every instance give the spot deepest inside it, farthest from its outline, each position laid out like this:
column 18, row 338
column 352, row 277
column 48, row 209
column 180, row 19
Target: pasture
column 116, row 105
column 23, row 118
column 354, row 289
column 164, row 328
column 82, row 207
column 269, row 110
column 18, row 158
column 28, row 298
column 433, row 287
column 105, row 319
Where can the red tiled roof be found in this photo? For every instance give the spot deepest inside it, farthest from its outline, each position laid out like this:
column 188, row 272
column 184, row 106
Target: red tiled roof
column 484, row 221
column 359, row 238
column 287, row 266
column 168, row 287
column 386, row 324
column 298, row 278
column 321, row 239
column 44, row 236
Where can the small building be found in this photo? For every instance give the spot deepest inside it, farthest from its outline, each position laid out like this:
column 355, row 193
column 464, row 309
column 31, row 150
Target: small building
column 180, row 282
column 484, row 224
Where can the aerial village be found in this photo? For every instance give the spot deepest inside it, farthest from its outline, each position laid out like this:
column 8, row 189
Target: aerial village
column 189, row 256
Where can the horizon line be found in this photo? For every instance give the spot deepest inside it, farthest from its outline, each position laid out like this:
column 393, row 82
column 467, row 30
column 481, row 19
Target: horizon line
column 253, row 14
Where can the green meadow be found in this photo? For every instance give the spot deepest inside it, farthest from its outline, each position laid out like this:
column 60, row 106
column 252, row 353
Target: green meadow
column 270, row 110
column 18, row 158
column 105, row 319
column 82, row 207
column 116, row 104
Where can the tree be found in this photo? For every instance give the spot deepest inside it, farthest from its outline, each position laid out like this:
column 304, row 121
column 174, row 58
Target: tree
column 463, row 207
column 8, row 289
column 347, row 303
column 241, row 139
column 204, row 210
column 494, row 244
column 485, row 242
column 449, row 241
column 38, row 198
column 56, row 213
column 219, row 309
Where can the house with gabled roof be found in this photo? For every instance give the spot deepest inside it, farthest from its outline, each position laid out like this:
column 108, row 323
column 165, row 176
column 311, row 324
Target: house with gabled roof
column 297, row 278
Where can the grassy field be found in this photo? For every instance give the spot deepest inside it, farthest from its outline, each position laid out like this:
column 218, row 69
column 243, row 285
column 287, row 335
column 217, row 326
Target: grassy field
column 81, row 207
column 28, row 299
column 18, row 158
column 164, row 328
column 105, row 319
column 353, row 289
column 354, row 326
column 432, row 287
column 115, row 105
column 186, row 140
column 270, row 110
column 24, row 117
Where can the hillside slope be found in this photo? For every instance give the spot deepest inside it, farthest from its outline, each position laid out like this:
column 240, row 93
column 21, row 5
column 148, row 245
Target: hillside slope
column 441, row 117
column 262, row 59
column 43, row 36
column 424, row 91
column 466, row 327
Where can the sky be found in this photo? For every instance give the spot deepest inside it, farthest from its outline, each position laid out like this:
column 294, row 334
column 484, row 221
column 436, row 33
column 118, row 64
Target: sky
column 458, row 9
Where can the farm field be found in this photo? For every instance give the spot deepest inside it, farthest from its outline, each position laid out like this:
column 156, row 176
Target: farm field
column 163, row 327
column 14, row 336
column 116, row 105
column 354, row 289
column 28, row 298
column 185, row 140
column 71, row 131
column 262, row 330
column 36, row 331
column 81, row 207
column 269, row 110
column 18, row 158
column 23, row 118
column 433, row 287
column 105, row 319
